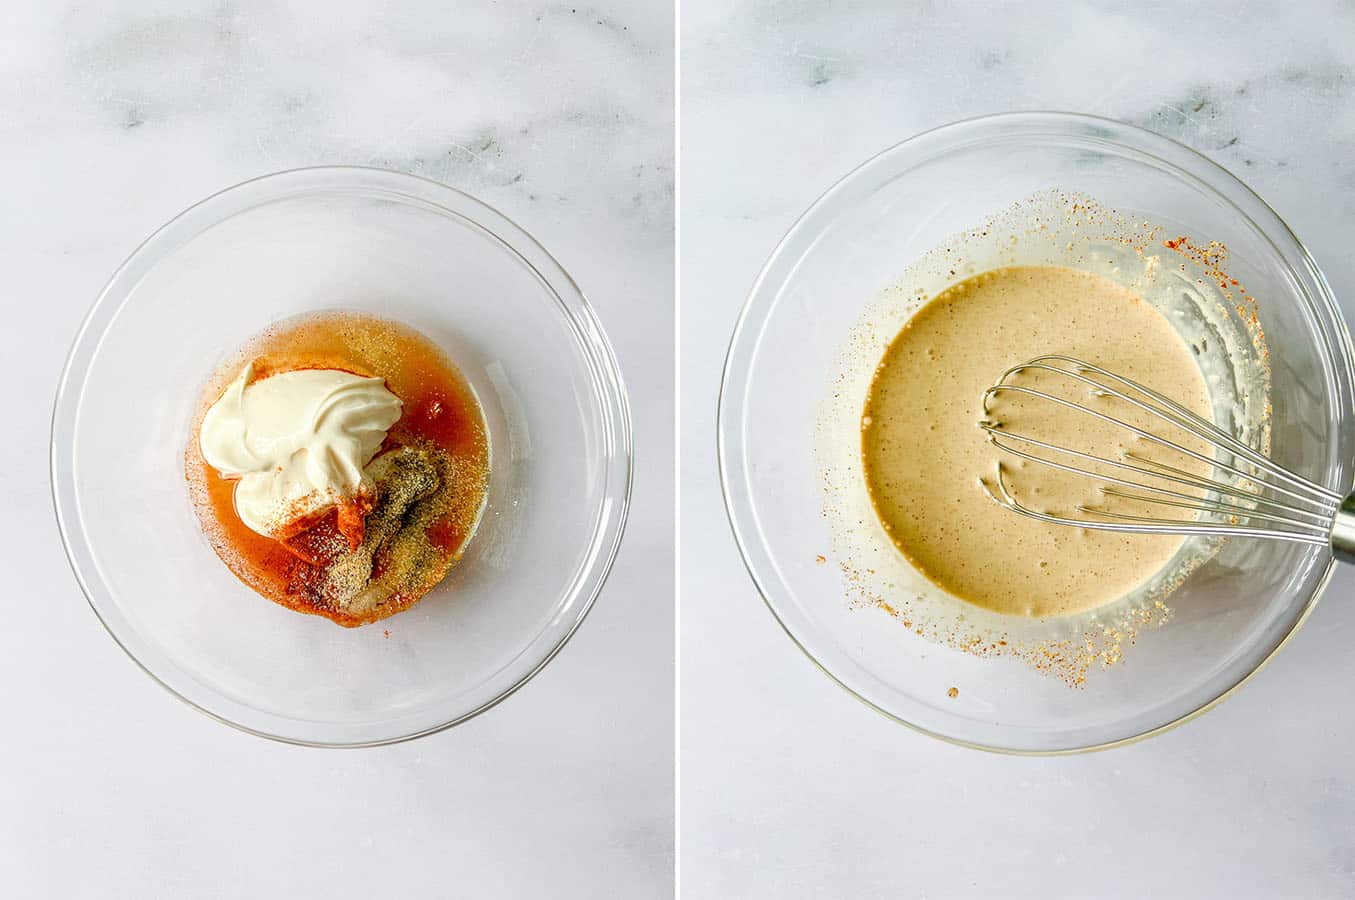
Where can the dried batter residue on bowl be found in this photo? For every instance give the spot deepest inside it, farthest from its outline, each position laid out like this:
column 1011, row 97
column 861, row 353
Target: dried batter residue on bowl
column 1183, row 277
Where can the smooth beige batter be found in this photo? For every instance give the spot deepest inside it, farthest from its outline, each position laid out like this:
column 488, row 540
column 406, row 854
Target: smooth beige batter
column 924, row 454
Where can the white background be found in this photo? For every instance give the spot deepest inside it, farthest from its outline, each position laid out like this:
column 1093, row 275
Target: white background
column 114, row 117
column 791, row 788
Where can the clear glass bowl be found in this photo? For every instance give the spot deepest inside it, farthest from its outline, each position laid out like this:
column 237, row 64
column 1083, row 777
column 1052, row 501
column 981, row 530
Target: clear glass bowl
column 1230, row 615
column 394, row 246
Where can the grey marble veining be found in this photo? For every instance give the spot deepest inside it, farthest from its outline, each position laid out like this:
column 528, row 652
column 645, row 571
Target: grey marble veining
column 118, row 115
column 790, row 787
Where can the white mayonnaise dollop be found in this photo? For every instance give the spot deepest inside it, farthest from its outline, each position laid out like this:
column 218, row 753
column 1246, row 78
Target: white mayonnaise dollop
column 298, row 441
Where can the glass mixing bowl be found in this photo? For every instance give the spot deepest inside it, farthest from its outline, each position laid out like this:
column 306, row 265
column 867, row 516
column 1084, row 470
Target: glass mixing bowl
column 394, row 246
column 1230, row 615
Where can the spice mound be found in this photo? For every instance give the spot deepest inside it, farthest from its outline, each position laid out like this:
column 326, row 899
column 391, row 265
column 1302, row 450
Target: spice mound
column 395, row 562
column 342, row 468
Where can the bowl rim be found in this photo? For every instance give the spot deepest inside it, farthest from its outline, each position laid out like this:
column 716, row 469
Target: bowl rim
column 1064, row 121
column 584, row 323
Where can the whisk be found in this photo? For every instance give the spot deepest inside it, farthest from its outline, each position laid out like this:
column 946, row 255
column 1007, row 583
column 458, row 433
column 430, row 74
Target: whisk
column 1246, row 493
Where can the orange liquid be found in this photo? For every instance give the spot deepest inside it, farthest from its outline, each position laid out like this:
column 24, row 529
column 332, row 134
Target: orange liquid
column 439, row 409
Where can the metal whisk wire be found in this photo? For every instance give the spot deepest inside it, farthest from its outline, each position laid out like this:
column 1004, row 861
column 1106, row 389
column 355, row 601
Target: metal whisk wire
column 1259, row 499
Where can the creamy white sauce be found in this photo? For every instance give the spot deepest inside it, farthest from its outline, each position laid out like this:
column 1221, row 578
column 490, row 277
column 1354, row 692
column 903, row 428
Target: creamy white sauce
column 297, row 441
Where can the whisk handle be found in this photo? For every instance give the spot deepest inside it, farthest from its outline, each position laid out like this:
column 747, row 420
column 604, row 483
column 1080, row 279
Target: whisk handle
column 1343, row 532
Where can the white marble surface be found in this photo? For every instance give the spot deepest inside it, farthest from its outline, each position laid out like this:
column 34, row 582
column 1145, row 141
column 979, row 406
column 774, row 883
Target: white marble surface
column 115, row 117
column 790, row 788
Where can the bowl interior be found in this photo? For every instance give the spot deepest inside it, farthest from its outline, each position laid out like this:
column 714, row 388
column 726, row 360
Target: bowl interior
column 393, row 247
column 1228, row 616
